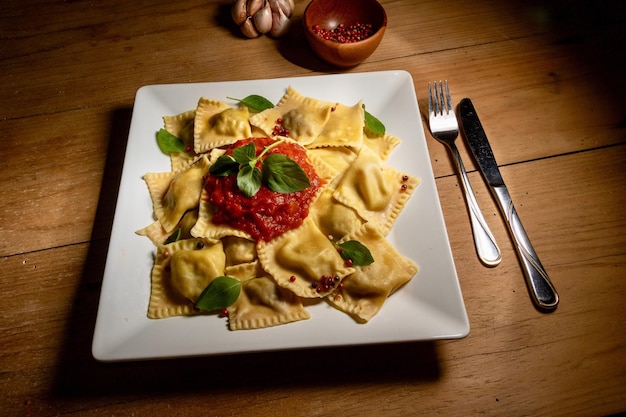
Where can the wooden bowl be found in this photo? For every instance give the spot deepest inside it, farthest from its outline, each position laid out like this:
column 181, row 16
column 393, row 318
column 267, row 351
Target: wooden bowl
column 329, row 14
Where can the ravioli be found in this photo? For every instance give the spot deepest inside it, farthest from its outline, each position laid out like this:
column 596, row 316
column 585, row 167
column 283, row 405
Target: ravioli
column 337, row 159
column 381, row 145
column 289, row 260
column 181, row 271
column 344, row 127
column 239, row 250
column 303, row 117
column 157, row 234
column 334, row 219
column 181, row 126
column 217, row 124
column 174, row 193
column 364, row 292
column 262, row 303
column 376, row 191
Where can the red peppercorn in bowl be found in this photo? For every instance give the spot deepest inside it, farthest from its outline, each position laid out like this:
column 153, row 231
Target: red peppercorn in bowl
column 344, row 32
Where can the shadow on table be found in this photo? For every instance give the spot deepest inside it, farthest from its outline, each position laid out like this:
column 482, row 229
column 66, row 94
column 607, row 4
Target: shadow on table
column 295, row 49
column 78, row 375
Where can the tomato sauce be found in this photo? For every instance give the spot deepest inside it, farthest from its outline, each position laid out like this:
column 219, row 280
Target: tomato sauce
column 267, row 214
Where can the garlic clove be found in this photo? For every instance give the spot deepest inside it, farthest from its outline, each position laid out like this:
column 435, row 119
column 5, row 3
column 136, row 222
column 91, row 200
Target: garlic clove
column 248, row 29
column 239, row 12
column 253, row 6
column 263, row 19
column 280, row 23
column 286, row 6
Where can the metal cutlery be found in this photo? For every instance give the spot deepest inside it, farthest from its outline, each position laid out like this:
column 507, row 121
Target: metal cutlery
column 542, row 291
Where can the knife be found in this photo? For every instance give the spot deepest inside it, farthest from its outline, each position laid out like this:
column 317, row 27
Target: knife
column 541, row 289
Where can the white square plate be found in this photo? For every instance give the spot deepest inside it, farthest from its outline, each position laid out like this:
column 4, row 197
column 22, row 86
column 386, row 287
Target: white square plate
column 429, row 307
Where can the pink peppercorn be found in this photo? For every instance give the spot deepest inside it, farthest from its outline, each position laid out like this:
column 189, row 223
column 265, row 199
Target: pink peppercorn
column 345, row 34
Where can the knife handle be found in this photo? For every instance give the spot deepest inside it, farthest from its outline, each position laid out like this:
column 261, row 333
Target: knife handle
column 543, row 293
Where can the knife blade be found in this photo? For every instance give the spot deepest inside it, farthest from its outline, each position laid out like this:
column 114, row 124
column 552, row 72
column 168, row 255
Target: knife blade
column 540, row 286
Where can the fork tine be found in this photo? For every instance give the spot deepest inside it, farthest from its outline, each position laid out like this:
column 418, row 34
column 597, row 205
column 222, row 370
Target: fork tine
column 448, row 98
column 437, row 99
column 431, row 111
column 442, row 99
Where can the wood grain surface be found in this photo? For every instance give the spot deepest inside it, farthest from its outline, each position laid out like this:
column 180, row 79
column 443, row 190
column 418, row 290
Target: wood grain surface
column 548, row 81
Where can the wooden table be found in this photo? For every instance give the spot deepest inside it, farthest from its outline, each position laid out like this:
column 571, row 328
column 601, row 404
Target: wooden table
column 547, row 78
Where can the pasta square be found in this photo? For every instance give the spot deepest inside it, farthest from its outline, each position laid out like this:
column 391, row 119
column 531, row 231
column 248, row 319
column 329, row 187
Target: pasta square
column 217, row 124
column 376, row 191
column 181, row 271
column 157, row 234
column 364, row 292
column 338, row 159
column 261, row 302
column 239, row 250
column 174, row 193
column 343, row 128
column 182, row 126
column 334, row 219
column 303, row 117
column 288, row 259
column 382, row 145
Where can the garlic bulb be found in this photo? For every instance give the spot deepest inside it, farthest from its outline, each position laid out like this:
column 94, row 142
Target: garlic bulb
column 256, row 17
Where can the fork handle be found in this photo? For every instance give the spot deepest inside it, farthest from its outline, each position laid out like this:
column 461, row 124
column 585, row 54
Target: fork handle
column 486, row 246
column 541, row 289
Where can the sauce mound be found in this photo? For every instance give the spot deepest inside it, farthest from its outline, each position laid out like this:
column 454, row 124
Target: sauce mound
column 268, row 213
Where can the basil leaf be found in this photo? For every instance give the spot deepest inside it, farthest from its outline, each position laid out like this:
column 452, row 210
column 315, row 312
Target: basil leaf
column 222, row 292
column 373, row 124
column 255, row 102
column 169, row 143
column 249, row 180
column 225, row 165
column 284, row 175
column 357, row 252
column 173, row 237
column 244, row 154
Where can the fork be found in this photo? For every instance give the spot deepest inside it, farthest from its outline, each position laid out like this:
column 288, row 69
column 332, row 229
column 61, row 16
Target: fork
column 445, row 128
